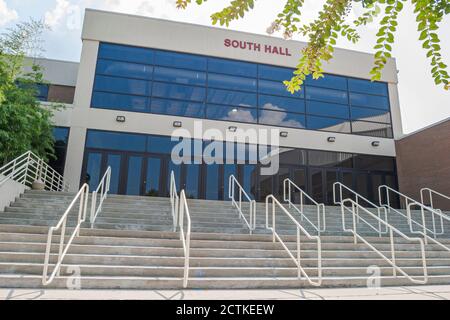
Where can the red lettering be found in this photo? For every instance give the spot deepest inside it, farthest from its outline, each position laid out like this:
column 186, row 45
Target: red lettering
column 257, row 47
column 227, row 42
column 235, row 44
column 275, row 50
column 287, row 52
column 267, row 48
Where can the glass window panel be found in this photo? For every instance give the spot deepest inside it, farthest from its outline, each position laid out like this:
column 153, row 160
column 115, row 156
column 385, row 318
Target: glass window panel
column 228, row 170
column 327, row 109
column 94, row 162
column 192, row 180
column 126, row 53
column 134, row 176
column 328, row 124
column 116, row 141
column 175, row 91
column 153, row 177
column 121, row 85
column 124, row 69
column 212, row 182
column 119, row 102
column 161, row 144
column 373, row 129
column 42, row 92
column 327, row 95
column 362, row 184
column 316, row 180
column 113, row 161
column 180, row 60
column 330, row 159
column 366, row 86
column 236, row 68
column 282, row 119
column 331, row 178
column 374, row 115
column 290, row 156
column 373, row 163
column 328, row 81
column 277, row 88
column 177, row 108
column 177, row 172
column 229, row 82
column 216, row 112
column 61, row 136
column 364, row 100
column 179, row 76
column 234, row 98
column 275, row 73
column 281, row 104
column 249, row 180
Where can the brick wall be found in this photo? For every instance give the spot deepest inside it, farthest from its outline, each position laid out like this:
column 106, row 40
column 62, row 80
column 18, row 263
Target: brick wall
column 62, row 94
column 423, row 160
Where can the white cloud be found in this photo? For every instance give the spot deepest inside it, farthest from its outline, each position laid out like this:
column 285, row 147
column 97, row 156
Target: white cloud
column 62, row 9
column 6, row 15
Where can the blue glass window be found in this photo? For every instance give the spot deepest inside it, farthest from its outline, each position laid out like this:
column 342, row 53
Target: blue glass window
column 281, row 119
column 373, row 115
column 179, row 76
column 365, row 100
column 126, row 53
column 373, row 129
column 42, row 92
column 366, row 86
column 328, row 124
column 124, row 69
column 328, row 81
column 122, row 85
column 235, row 68
column 180, row 60
column 216, row 112
column 281, row 103
column 327, row 95
column 175, row 91
column 177, row 108
column 234, row 98
column 119, row 102
column 327, row 109
column 116, row 141
column 229, row 82
column 161, row 144
column 277, row 88
column 275, row 73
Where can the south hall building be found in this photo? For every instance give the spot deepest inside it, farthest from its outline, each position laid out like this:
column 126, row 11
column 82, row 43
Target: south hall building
column 139, row 79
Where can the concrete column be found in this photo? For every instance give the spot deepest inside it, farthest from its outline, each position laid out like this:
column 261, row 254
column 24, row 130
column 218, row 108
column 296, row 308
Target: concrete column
column 74, row 158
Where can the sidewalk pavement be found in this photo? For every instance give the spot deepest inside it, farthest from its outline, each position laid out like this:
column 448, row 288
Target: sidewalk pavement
column 385, row 293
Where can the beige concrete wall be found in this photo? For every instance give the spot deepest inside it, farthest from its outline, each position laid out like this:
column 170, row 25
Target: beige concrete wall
column 9, row 191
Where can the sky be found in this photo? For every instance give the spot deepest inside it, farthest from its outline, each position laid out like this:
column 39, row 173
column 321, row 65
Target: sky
column 422, row 102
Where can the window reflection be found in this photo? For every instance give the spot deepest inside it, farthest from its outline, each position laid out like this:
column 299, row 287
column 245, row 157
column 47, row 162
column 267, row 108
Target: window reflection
column 282, row 119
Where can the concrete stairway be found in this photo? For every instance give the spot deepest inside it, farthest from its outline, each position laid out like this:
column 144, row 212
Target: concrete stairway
column 132, row 246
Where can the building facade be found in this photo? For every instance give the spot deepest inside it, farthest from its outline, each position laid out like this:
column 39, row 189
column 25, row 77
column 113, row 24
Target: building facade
column 140, row 78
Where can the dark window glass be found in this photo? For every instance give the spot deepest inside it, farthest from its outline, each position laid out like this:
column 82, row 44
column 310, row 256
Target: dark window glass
column 328, row 124
column 366, row 86
column 233, row 98
column 153, row 177
column 179, row 76
column 61, row 136
column 119, row 102
column 328, row 81
column 275, row 73
column 116, row 141
column 374, row 115
column 277, row 88
column 180, row 60
column 369, row 162
column 177, row 91
column 235, row 68
column 161, row 144
column 327, row 95
column 230, row 82
column 327, row 109
column 330, row 159
column 372, row 129
column 124, row 69
column 42, row 92
column 177, row 108
column 212, row 182
column 134, row 176
column 114, row 161
column 289, row 156
column 281, row 103
column 249, row 180
column 94, row 161
column 282, row 119
column 121, row 85
column 126, row 53
column 192, row 180
column 365, row 100
column 216, row 112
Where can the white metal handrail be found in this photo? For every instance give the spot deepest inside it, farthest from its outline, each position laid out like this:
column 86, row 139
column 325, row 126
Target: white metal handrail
column 297, row 259
column 287, row 196
column 232, row 183
column 185, row 237
column 174, row 200
column 103, row 188
column 81, row 197
column 431, row 192
column 28, row 168
column 392, row 230
column 408, row 203
column 359, row 197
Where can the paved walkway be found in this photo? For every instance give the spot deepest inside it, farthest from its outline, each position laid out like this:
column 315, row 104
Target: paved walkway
column 388, row 293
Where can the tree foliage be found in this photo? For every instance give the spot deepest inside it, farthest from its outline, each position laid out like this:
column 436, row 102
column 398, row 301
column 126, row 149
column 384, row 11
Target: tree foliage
column 24, row 123
column 332, row 23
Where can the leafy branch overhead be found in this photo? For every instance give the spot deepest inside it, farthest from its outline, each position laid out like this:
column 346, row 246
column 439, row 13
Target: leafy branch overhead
column 332, row 22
